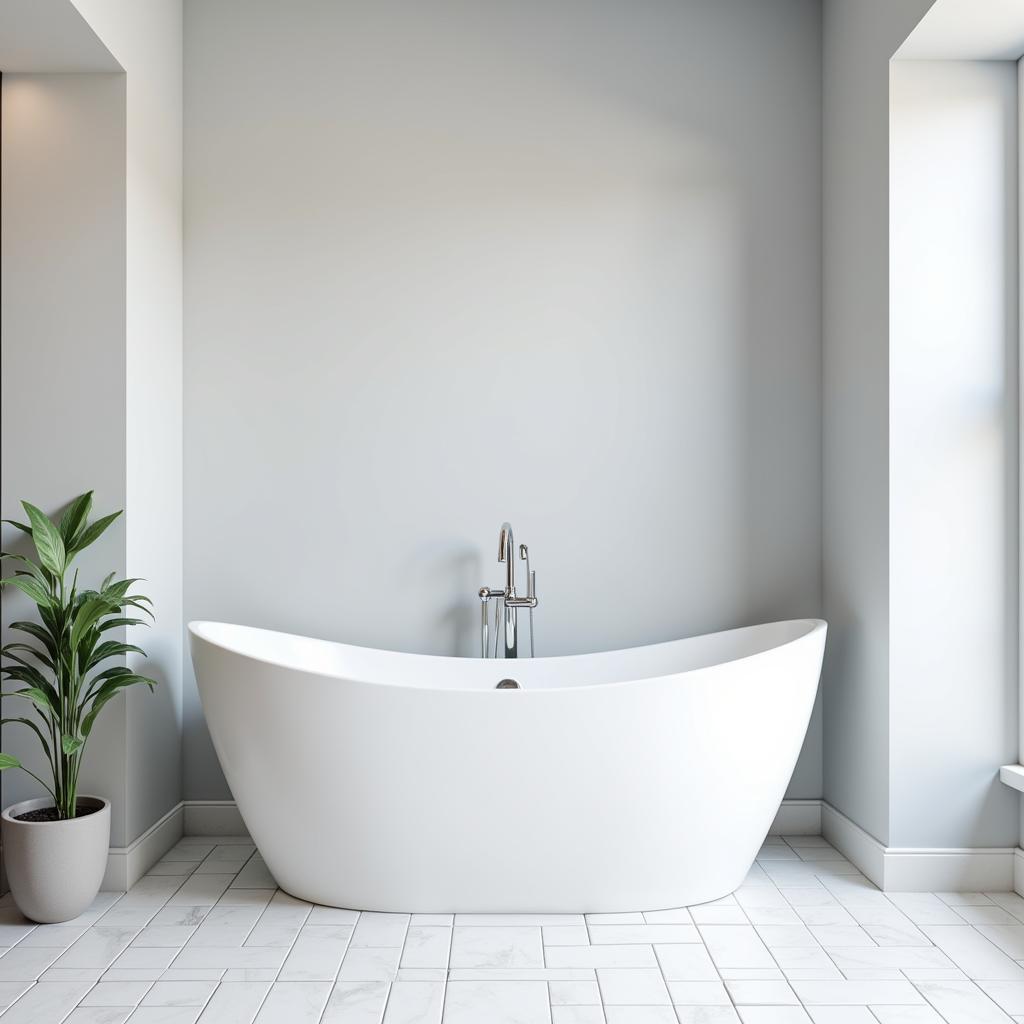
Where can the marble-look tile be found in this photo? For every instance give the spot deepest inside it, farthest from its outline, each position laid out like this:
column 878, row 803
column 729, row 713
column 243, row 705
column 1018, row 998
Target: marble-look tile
column 426, row 946
column 986, row 913
column 969, row 950
column 565, row 935
column 317, row 953
column 924, row 908
column 254, row 875
column 294, row 1002
column 173, row 935
column 838, row 936
column 53, row 936
column 192, row 974
column 1009, row 938
column 496, row 1002
column 116, row 993
column 333, row 915
column 584, row 1015
column 415, row 1002
column 681, row 915
column 782, row 935
column 962, row 1002
column 845, row 1014
column 574, row 993
column 618, row 935
column 632, row 987
column 861, row 993
column 157, row 958
column 369, row 965
column 906, row 1015
column 280, row 923
column 701, row 1015
column 525, row 920
column 200, row 890
column 48, row 1001
column 11, row 990
column 735, row 946
column 179, row 917
column 707, row 914
column 521, row 974
column 26, row 963
column 219, row 935
column 380, row 930
column 598, row 956
column 232, row 897
column 497, row 947
column 231, row 956
column 99, row 1015
column 774, row 1015
column 698, row 993
column 1007, row 994
column 235, row 1002
column 179, row 993
column 356, row 1002
column 761, row 993
column 14, row 926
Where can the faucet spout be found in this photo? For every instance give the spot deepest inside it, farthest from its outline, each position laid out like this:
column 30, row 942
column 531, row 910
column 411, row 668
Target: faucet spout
column 510, row 601
column 506, row 554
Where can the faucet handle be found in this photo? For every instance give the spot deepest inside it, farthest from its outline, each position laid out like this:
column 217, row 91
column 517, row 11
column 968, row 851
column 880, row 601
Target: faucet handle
column 524, row 554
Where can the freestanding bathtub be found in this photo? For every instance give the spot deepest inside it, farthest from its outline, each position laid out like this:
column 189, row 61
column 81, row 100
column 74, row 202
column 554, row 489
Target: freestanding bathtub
column 630, row 780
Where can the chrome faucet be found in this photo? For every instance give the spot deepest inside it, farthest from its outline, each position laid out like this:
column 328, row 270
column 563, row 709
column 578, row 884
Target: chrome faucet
column 511, row 602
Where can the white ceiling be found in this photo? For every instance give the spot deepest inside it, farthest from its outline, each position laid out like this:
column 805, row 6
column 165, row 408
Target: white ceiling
column 968, row 30
column 49, row 35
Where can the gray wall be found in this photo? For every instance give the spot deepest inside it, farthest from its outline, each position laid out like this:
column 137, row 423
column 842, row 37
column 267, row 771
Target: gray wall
column 456, row 263
column 91, row 339
column 859, row 38
column 62, row 372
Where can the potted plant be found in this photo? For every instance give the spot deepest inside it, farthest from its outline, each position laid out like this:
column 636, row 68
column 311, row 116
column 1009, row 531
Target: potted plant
column 55, row 847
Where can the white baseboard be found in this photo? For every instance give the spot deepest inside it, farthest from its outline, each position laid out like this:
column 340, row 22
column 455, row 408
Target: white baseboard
column 222, row 818
column 213, row 818
column 127, row 864
column 1018, row 871
column 892, row 869
column 797, row 818
column 922, row 869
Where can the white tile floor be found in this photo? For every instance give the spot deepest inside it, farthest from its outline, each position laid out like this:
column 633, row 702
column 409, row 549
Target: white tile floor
column 207, row 937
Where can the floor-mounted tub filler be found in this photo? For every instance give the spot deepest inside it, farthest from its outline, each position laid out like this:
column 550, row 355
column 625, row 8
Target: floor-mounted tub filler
column 629, row 780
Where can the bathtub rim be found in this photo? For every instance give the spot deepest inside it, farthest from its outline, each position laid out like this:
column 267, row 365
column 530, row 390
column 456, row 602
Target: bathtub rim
column 196, row 631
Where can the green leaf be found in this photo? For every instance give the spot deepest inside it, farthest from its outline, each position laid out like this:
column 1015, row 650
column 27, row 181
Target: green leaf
column 9, row 761
column 69, row 744
column 110, row 648
column 92, row 533
column 38, row 697
column 34, row 629
column 33, row 570
column 29, row 649
column 30, row 586
column 35, row 728
column 74, row 517
column 108, row 691
column 18, row 526
column 89, row 612
column 114, row 623
column 47, row 539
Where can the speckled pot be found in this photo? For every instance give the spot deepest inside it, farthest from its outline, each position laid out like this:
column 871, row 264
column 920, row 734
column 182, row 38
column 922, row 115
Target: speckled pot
column 55, row 868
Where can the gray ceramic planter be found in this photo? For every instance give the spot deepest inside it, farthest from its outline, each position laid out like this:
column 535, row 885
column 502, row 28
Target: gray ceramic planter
column 55, row 868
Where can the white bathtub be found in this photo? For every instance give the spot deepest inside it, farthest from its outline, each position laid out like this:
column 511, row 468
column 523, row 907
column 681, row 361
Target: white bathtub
column 629, row 780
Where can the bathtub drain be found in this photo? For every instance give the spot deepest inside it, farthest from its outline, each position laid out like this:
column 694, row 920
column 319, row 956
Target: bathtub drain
column 508, row 684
